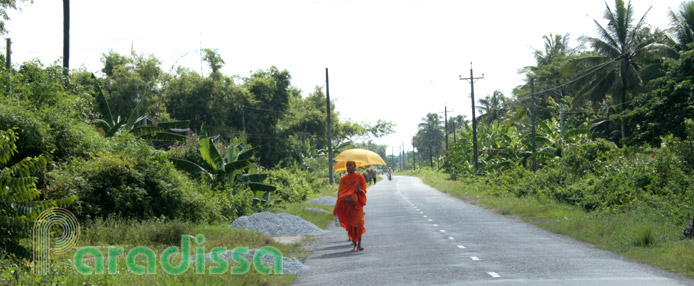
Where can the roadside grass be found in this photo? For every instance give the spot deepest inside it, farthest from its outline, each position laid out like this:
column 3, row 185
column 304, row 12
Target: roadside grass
column 642, row 235
column 128, row 234
column 158, row 235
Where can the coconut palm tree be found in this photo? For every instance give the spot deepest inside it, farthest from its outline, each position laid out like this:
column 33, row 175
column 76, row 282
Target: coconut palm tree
column 430, row 135
column 620, row 62
column 556, row 46
column 493, row 107
column 683, row 25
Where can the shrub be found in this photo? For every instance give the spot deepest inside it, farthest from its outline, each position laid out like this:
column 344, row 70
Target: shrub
column 133, row 181
column 34, row 134
column 294, row 184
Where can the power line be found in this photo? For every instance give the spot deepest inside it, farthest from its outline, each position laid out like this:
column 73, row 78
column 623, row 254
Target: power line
column 578, row 78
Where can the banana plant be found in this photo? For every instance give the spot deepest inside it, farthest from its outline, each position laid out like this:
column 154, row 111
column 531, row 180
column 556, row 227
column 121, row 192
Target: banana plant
column 158, row 131
column 234, row 169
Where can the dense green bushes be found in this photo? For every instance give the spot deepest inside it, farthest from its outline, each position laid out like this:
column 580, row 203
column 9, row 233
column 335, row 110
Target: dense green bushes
column 597, row 176
column 131, row 180
column 294, row 184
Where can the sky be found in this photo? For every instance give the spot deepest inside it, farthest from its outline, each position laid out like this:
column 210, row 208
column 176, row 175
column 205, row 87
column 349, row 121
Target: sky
column 390, row 60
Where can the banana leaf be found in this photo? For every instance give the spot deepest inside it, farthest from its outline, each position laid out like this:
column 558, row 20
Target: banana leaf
column 252, row 178
column 134, row 114
column 261, row 187
column 102, row 105
column 190, row 167
column 209, row 153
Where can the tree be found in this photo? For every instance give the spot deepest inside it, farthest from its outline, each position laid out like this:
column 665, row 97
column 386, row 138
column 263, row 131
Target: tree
column 621, row 59
column 429, row 137
column 493, row 107
column 130, row 78
column 683, row 25
column 664, row 110
column 214, row 59
column 157, row 131
column 556, row 47
column 7, row 5
column 271, row 92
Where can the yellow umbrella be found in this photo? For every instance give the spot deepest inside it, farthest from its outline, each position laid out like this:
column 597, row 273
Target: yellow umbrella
column 362, row 157
column 342, row 165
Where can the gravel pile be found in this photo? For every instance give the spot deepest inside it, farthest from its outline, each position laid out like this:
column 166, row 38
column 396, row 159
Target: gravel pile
column 277, row 224
column 317, row 210
column 290, row 265
column 328, row 201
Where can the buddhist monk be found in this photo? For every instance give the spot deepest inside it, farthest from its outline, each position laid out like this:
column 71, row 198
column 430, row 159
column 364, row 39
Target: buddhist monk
column 349, row 208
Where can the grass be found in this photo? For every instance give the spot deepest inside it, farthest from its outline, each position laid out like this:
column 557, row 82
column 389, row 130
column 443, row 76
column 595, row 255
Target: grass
column 158, row 235
column 642, row 235
column 128, row 234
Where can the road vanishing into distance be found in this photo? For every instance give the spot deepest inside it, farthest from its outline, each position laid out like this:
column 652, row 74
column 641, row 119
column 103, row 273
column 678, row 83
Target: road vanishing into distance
column 416, row 235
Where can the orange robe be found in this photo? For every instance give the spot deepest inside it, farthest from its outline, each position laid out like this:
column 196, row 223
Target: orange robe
column 351, row 216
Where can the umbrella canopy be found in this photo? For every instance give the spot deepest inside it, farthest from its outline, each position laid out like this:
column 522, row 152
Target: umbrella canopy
column 362, row 157
column 342, row 165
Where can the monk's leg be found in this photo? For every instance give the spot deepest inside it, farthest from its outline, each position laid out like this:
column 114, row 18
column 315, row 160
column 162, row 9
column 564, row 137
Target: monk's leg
column 356, row 238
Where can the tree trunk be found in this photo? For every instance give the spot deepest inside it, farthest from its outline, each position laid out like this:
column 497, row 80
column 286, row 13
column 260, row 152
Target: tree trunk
column 624, row 102
column 431, row 157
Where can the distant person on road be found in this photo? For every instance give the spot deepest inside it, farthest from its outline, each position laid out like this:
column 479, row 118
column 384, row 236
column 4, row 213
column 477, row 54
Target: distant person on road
column 349, row 208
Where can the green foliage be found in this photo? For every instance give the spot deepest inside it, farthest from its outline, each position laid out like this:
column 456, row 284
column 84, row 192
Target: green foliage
column 294, row 184
column 7, row 5
column 665, row 108
column 429, row 137
column 108, row 126
column 19, row 204
column 34, row 134
column 599, row 177
column 128, row 79
column 130, row 181
column 502, row 145
column 116, row 231
column 235, row 170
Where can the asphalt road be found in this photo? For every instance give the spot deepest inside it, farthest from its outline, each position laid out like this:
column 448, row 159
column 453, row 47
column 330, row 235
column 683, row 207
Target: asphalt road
column 416, row 235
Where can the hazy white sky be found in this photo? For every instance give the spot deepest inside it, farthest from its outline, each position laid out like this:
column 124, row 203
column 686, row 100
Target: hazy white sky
column 392, row 60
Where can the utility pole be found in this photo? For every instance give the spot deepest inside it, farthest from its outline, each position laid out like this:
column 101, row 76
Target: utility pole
column 532, row 118
column 330, row 131
column 453, row 122
column 8, row 64
column 66, row 37
column 8, row 54
column 472, row 79
column 392, row 157
column 445, row 123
